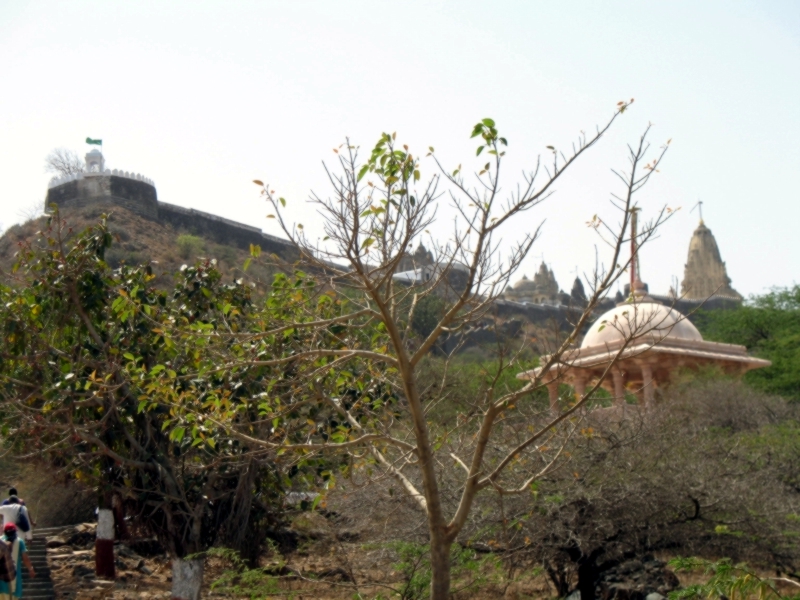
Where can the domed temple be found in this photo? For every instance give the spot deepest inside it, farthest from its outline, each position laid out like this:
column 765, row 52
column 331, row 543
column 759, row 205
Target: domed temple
column 705, row 275
column 543, row 289
column 638, row 346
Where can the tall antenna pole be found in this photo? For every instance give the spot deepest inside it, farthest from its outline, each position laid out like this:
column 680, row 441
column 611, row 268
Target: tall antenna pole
column 699, row 206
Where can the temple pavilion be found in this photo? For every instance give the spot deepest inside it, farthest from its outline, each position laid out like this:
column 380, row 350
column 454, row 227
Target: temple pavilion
column 639, row 346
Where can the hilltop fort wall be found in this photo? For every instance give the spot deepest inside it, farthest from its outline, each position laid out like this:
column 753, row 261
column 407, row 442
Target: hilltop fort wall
column 138, row 194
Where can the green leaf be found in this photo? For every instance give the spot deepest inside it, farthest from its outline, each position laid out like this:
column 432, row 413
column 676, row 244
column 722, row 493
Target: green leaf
column 367, row 242
column 282, row 201
column 176, row 435
column 363, row 172
column 488, row 122
column 247, row 263
column 480, row 149
column 129, row 356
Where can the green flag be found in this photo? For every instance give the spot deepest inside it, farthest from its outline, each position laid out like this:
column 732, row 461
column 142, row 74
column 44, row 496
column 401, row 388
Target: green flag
column 95, row 142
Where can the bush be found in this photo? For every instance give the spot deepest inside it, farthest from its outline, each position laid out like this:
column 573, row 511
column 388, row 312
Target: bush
column 189, row 246
column 769, row 327
column 712, row 471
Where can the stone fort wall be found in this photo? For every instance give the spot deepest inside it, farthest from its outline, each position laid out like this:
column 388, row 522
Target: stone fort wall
column 138, row 194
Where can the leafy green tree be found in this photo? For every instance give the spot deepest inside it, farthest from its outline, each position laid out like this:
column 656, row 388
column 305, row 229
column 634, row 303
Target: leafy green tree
column 769, row 326
column 90, row 378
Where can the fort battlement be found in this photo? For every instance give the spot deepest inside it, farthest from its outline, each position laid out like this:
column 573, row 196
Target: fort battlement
column 137, row 193
column 57, row 181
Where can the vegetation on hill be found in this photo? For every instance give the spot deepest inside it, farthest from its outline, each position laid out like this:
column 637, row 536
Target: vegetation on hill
column 769, row 327
column 139, row 241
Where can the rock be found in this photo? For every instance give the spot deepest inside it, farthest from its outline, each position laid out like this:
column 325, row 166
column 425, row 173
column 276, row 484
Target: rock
column 347, row 535
column 82, row 571
column 143, row 568
column 121, row 564
column 81, row 538
column 123, row 550
column 620, row 591
column 637, row 580
column 55, row 542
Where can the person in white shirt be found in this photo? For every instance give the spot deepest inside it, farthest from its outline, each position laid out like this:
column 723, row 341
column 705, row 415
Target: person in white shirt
column 16, row 513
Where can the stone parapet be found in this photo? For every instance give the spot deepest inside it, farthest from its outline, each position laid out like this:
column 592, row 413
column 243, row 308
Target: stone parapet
column 57, row 181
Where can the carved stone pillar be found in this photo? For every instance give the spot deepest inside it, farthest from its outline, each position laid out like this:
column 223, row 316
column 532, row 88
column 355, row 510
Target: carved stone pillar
column 648, row 384
column 580, row 388
column 619, row 388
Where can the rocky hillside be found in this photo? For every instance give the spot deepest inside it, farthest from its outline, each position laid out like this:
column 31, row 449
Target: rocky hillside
column 139, row 240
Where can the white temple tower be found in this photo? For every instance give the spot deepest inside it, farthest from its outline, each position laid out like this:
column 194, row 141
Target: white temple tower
column 95, row 163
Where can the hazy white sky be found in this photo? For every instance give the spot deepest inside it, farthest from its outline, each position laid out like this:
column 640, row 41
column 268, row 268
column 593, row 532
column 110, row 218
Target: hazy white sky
column 204, row 97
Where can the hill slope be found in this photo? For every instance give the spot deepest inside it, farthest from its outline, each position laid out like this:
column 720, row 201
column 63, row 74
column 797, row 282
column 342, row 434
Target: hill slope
column 138, row 240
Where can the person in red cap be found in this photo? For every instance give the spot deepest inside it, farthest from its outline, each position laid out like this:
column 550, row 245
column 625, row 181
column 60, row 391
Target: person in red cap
column 18, row 550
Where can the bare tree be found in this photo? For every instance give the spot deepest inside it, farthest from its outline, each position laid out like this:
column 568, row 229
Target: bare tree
column 378, row 209
column 63, row 161
column 32, row 211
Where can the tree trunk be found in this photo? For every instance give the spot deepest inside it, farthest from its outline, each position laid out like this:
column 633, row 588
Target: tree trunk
column 104, row 544
column 440, row 568
column 187, row 578
column 587, row 579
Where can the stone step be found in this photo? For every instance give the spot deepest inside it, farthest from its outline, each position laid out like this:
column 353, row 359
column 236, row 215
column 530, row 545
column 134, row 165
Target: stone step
column 40, row 588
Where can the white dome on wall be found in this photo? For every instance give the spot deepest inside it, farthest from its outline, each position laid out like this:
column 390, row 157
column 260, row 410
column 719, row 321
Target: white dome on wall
column 642, row 318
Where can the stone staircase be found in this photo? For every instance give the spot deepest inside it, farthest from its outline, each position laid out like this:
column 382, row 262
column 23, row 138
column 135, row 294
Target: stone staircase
column 40, row 588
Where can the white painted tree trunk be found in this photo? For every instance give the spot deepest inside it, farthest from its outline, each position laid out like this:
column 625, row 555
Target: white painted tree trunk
column 104, row 544
column 187, row 579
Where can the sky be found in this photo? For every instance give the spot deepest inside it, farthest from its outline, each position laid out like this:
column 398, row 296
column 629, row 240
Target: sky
column 203, row 97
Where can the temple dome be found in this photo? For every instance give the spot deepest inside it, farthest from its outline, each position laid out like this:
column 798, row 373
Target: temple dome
column 525, row 284
column 643, row 317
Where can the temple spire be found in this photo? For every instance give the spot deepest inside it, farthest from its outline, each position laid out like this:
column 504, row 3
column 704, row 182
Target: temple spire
column 705, row 274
